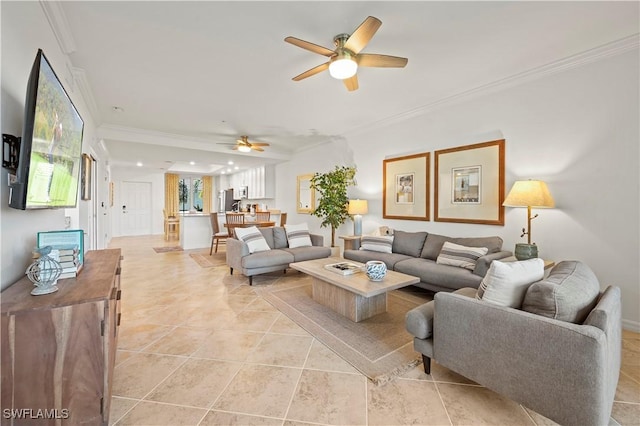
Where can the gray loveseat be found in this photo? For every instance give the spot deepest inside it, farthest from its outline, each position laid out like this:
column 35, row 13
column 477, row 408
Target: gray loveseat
column 559, row 355
column 415, row 253
column 276, row 259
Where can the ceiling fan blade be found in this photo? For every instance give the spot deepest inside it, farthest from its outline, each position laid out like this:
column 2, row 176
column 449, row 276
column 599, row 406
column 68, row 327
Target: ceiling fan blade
column 310, row 46
column 256, row 148
column 227, row 144
column 381, row 61
column 363, row 34
column 312, row 71
column 351, row 83
column 259, row 144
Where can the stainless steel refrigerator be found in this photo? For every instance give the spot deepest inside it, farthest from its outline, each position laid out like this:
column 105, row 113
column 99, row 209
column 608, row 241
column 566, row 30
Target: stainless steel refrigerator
column 225, row 200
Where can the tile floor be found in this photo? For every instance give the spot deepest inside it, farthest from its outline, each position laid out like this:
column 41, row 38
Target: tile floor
column 198, row 347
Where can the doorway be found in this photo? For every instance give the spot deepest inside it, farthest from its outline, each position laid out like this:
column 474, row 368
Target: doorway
column 135, row 213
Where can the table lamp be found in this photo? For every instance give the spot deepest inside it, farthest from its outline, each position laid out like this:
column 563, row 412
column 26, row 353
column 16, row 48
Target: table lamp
column 357, row 208
column 528, row 193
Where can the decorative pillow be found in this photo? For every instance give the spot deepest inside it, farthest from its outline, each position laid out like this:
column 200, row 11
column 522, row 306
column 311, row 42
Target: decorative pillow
column 253, row 237
column 569, row 293
column 382, row 243
column 507, row 282
column 409, row 243
column 298, row 235
column 461, row 256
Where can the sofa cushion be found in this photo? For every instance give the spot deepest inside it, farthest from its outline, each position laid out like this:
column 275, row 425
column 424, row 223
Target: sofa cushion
column 363, row 256
column 434, row 243
column 279, row 237
column 267, row 233
column 382, row 243
column 308, row 253
column 254, row 239
column 298, row 235
column 460, row 256
column 430, row 272
column 507, row 282
column 409, row 243
column 266, row 259
column 433, row 246
column 569, row 293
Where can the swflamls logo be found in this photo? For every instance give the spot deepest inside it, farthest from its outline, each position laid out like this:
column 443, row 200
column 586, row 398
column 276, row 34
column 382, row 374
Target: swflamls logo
column 37, row 413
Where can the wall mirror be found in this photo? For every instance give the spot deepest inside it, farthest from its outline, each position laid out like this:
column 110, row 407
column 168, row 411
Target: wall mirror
column 306, row 195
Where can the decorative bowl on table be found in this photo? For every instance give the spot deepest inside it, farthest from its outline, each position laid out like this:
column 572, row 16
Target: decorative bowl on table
column 376, row 270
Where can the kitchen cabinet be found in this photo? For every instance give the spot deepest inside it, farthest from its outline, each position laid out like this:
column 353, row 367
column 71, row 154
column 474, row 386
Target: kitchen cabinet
column 58, row 350
column 260, row 181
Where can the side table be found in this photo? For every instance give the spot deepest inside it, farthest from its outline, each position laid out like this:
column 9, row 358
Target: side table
column 351, row 242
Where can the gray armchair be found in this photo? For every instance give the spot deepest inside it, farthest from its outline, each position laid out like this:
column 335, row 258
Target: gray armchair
column 565, row 371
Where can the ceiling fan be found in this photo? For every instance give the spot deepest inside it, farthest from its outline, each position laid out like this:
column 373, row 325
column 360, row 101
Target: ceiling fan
column 344, row 60
column 245, row 145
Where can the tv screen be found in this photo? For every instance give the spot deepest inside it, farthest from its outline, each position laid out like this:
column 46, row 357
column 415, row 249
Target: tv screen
column 50, row 151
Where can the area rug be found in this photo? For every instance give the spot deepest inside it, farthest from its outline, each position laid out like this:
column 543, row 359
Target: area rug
column 203, row 259
column 167, row 249
column 379, row 347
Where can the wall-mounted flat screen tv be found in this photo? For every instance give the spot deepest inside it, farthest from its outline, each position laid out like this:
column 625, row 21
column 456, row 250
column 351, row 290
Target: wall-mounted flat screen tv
column 51, row 147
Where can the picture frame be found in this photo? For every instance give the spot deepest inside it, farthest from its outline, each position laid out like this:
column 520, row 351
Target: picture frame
column 469, row 183
column 85, row 177
column 406, row 187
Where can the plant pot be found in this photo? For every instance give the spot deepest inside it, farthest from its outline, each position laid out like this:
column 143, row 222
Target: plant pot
column 376, row 270
column 526, row 251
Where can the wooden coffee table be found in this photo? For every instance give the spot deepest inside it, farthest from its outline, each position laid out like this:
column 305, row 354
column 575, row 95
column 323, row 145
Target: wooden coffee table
column 353, row 296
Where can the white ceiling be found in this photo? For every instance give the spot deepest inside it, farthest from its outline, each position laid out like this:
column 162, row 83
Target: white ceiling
column 191, row 74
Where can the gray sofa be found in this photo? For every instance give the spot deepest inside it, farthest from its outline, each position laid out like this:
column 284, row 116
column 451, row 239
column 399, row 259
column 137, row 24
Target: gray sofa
column 565, row 369
column 415, row 253
column 276, row 259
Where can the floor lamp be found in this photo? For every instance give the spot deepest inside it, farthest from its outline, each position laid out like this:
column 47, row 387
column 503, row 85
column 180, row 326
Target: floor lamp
column 528, row 193
column 357, row 208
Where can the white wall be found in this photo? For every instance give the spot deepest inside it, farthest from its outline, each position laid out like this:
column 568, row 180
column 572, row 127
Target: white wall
column 25, row 28
column 578, row 130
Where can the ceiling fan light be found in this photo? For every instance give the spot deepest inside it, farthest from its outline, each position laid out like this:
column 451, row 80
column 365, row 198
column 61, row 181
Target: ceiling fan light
column 244, row 148
column 343, row 67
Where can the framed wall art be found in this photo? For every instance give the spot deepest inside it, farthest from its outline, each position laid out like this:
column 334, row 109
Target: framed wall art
column 469, row 184
column 405, row 193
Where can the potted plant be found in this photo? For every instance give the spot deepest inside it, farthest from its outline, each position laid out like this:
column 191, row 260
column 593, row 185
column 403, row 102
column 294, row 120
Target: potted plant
column 333, row 202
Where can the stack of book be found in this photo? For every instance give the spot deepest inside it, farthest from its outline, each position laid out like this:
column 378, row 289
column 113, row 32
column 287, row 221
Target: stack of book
column 70, row 261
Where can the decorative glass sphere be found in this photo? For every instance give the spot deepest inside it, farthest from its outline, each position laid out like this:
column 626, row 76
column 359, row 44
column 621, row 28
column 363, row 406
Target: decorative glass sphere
column 44, row 272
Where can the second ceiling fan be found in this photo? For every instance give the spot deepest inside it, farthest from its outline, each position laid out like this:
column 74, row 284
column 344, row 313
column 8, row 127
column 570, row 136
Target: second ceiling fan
column 245, row 145
column 346, row 58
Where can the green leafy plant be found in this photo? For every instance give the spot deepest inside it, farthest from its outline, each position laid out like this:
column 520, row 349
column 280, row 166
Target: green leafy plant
column 333, row 203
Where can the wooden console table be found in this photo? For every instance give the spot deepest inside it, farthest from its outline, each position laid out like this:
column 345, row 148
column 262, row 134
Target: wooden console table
column 59, row 350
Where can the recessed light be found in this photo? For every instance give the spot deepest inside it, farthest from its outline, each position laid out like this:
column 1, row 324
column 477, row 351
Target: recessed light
column 236, row 168
column 222, row 172
column 139, row 164
column 230, row 162
column 192, row 162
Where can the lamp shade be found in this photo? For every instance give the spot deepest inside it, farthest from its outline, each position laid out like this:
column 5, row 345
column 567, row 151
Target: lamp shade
column 358, row 207
column 529, row 193
column 343, row 66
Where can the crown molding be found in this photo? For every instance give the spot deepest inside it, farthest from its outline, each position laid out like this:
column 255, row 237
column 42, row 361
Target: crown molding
column 614, row 48
column 59, row 24
column 82, row 83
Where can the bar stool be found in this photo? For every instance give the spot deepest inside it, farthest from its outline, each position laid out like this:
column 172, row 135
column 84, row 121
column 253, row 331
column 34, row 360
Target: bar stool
column 171, row 226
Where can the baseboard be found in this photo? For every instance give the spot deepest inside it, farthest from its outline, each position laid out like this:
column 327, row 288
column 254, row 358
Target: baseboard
column 631, row 325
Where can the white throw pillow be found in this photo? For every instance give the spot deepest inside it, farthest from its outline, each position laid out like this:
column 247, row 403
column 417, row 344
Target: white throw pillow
column 382, row 243
column 253, row 237
column 298, row 235
column 461, row 256
column 506, row 283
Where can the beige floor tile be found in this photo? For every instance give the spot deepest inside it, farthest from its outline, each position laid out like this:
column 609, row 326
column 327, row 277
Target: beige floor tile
column 259, row 390
column 259, row 304
column 630, row 354
column 631, row 335
column 476, row 405
column 137, row 337
column 628, row 389
column 283, row 325
column 122, row 356
column 633, row 372
column 281, row 349
column 255, row 320
column 180, row 341
column 626, row 414
column 416, row 373
column 329, row 397
column 228, row 345
column 217, row 418
column 196, row 383
column 405, row 402
column 142, row 372
column 119, row 407
column 151, row 413
column 539, row 419
column 322, row 358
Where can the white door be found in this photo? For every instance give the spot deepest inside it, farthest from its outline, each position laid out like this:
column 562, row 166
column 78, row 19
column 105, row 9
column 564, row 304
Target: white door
column 135, row 213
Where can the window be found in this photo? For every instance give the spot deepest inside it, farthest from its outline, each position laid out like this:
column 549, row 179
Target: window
column 190, row 196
